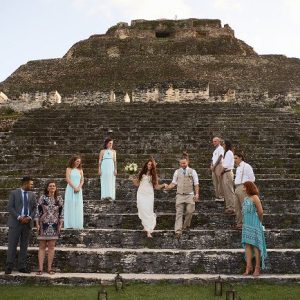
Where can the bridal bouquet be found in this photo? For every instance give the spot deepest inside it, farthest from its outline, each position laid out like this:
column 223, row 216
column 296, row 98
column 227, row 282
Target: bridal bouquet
column 131, row 168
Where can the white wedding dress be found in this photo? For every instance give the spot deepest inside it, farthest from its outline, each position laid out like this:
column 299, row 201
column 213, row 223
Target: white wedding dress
column 145, row 203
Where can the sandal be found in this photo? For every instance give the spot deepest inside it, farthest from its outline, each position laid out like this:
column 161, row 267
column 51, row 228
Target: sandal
column 256, row 272
column 39, row 273
column 51, row 272
column 248, row 271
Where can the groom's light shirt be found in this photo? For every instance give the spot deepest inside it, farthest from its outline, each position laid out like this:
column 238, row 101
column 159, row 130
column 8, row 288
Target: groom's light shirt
column 194, row 175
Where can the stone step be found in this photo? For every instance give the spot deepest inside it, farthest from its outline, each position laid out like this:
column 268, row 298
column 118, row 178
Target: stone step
column 130, row 193
column 12, row 172
column 163, row 162
column 88, row 279
column 161, row 261
column 205, row 183
column 163, row 173
column 164, row 239
column 200, row 154
column 168, row 206
column 165, row 221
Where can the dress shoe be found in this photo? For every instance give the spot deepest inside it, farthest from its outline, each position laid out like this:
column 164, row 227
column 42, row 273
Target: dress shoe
column 24, row 270
column 8, row 271
column 178, row 235
column 186, row 229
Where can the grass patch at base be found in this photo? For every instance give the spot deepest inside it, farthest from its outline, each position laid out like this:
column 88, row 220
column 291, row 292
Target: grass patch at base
column 150, row 291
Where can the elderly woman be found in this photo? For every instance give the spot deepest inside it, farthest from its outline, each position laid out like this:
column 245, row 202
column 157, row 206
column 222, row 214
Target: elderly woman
column 49, row 220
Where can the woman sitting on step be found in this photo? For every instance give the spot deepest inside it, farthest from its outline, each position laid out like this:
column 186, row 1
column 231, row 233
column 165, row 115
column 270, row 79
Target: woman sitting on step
column 49, row 220
column 146, row 182
column 253, row 238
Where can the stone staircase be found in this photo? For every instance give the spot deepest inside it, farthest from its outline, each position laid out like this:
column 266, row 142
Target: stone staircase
column 42, row 141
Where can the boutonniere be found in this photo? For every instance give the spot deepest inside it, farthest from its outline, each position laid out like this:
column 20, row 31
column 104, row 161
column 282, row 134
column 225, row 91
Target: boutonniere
column 190, row 176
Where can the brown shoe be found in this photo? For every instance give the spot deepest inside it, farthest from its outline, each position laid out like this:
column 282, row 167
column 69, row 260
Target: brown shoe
column 178, row 235
column 229, row 211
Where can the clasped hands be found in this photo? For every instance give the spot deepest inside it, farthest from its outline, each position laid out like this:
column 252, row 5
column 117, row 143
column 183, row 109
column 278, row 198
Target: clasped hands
column 24, row 220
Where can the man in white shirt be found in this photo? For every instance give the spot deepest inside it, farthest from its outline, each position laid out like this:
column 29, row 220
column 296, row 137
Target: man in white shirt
column 187, row 182
column 215, row 162
column 227, row 178
column 244, row 172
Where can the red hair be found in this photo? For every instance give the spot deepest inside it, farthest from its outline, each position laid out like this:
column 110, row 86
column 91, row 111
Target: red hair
column 153, row 172
column 251, row 188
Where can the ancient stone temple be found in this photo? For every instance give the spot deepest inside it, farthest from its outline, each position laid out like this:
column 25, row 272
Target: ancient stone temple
column 162, row 60
column 157, row 88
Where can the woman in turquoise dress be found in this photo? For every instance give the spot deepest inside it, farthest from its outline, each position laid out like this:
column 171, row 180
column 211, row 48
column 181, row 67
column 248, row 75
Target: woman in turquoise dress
column 108, row 170
column 253, row 238
column 73, row 214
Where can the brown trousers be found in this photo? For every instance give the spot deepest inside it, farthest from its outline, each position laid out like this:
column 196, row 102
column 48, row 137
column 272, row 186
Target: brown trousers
column 240, row 195
column 217, row 185
column 184, row 202
column 228, row 190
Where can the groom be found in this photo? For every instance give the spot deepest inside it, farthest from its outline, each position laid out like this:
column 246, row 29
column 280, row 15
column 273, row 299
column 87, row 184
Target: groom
column 22, row 208
column 186, row 180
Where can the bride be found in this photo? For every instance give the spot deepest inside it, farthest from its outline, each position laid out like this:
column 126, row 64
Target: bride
column 146, row 182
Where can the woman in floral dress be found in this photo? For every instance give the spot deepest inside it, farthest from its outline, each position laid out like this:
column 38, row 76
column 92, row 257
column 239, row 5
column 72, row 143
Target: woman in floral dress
column 49, row 220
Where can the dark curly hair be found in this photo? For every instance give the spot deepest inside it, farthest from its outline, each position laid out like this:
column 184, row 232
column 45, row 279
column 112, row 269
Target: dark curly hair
column 46, row 192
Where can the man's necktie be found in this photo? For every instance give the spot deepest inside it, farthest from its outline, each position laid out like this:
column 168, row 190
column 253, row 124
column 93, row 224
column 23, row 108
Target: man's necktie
column 25, row 204
column 184, row 171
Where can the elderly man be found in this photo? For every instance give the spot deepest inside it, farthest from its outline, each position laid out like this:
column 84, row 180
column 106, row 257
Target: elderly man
column 216, row 162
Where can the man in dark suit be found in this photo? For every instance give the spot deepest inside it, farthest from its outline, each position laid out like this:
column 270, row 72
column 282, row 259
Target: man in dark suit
column 22, row 208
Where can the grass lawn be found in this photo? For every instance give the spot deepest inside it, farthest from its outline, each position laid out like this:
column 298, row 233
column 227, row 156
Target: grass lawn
column 150, row 291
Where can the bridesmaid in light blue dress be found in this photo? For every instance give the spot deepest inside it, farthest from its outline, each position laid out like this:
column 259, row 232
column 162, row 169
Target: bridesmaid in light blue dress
column 108, row 170
column 73, row 197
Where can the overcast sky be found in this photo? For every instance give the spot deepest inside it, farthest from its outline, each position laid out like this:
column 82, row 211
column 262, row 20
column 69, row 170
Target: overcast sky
column 39, row 29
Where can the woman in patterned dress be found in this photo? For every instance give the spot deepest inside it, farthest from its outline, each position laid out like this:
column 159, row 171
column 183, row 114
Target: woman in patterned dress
column 49, row 220
column 253, row 238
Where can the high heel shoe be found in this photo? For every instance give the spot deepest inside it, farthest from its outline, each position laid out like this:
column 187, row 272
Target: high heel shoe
column 248, row 271
column 256, row 271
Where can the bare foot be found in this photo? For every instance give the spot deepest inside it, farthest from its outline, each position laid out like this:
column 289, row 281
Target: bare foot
column 248, row 271
column 149, row 235
column 256, row 271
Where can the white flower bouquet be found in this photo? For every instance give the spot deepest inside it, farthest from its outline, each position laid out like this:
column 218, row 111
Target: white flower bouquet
column 131, row 168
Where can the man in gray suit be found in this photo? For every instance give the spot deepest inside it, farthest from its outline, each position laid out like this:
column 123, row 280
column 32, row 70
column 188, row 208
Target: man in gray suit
column 22, row 208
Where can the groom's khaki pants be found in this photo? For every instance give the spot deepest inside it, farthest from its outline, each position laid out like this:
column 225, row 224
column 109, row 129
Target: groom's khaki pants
column 183, row 201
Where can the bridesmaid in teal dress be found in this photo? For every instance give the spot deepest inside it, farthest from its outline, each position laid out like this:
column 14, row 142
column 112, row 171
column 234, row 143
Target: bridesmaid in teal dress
column 108, row 170
column 73, row 196
column 253, row 238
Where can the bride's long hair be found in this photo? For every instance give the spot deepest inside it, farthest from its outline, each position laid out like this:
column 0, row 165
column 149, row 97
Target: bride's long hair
column 153, row 172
